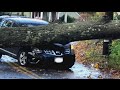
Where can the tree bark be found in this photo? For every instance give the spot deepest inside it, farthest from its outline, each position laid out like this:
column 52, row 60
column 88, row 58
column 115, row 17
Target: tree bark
column 58, row 33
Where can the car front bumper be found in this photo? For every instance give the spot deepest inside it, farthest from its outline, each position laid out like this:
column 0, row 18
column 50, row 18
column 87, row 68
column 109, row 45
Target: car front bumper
column 66, row 60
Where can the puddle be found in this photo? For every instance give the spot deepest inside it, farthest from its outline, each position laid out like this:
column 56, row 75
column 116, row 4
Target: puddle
column 83, row 72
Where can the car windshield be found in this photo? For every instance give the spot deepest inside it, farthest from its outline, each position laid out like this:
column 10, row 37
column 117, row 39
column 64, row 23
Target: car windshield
column 24, row 21
column 6, row 16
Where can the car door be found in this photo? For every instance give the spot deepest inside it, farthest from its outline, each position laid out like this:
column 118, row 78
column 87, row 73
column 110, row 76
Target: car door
column 11, row 51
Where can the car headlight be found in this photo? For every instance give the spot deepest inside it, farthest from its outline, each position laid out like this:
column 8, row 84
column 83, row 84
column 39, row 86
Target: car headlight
column 72, row 49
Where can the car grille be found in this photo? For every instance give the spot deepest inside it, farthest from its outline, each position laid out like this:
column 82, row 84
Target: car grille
column 52, row 52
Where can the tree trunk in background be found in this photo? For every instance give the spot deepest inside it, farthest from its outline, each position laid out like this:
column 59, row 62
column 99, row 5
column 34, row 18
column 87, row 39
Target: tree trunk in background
column 22, row 13
column 54, row 16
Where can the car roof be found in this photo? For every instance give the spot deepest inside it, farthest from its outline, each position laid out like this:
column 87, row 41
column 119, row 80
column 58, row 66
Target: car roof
column 7, row 16
column 27, row 20
column 4, row 16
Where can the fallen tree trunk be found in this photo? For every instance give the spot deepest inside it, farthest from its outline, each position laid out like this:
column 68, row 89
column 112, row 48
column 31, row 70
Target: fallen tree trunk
column 58, row 33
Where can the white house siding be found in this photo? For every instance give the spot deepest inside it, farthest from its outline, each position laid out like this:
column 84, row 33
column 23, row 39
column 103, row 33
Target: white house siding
column 28, row 14
column 46, row 14
column 15, row 13
column 118, row 13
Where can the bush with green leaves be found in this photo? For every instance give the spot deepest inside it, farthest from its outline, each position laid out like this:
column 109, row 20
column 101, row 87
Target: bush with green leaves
column 114, row 57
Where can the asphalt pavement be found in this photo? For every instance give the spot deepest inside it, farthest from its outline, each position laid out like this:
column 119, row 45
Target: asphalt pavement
column 9, row 69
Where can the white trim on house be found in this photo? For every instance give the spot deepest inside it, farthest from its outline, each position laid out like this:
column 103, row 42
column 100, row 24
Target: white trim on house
column 41, row 15
column 31, row 14
column 50, row 16
column 65, row 18
column 58, row 15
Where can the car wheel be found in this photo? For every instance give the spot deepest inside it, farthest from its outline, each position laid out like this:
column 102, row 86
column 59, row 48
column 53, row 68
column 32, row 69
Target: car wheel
column 23, row 58
column 67, row 66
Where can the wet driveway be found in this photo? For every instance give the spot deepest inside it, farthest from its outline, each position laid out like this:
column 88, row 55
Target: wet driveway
column 9, row 69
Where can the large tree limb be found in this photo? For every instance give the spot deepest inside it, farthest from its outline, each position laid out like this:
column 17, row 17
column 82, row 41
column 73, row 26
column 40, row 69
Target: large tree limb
column 58, row 33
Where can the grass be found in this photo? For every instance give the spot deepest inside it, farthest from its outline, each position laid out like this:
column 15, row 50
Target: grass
column 114, row 57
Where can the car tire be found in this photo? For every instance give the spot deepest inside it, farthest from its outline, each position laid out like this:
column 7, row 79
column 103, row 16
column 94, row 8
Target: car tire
column 67, row 66
column 23, row 58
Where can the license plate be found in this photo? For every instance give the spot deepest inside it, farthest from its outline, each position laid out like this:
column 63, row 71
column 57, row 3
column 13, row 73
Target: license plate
column 58, row 60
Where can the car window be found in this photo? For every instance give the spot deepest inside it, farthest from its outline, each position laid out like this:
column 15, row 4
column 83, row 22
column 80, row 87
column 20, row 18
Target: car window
column 28, row 24
column 9, row 23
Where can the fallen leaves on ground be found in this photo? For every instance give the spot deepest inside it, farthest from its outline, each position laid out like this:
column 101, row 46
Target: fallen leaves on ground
column 85, row 50
column 89, row 53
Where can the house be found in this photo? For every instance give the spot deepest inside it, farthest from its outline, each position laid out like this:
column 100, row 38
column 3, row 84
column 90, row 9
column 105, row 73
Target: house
column 52, row 16
column 75, row 15
column 48, row 16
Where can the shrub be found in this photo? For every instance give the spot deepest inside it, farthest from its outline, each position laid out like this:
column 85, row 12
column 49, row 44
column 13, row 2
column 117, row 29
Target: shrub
column 114, row 57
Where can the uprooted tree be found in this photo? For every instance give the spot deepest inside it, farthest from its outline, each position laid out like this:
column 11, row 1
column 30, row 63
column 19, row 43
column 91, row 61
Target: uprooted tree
column 59, row 33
